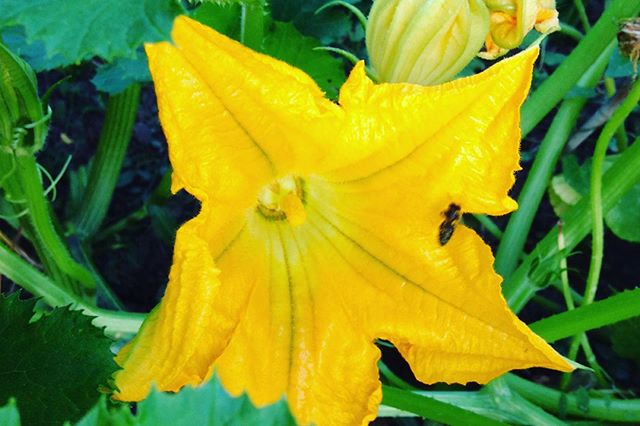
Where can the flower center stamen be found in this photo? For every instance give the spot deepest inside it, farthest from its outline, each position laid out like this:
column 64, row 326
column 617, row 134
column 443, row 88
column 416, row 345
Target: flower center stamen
column 283, row 199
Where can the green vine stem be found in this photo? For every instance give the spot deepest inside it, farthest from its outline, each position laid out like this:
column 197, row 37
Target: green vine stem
column 571, row 31
column 597, row 214
column 542, row 169
column 554, row 88
column 353, row 9
column 616, row 308
column 582, row 13
column 520, row 287
column 19, row 271
column 604, row 409
column 580, row 339
column 13, row 194
column 107, row 162
column 431, row 408
column 41, row 218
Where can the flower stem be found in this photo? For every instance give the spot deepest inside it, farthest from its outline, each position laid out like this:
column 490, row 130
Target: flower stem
column 582, row 13
column 107, row 163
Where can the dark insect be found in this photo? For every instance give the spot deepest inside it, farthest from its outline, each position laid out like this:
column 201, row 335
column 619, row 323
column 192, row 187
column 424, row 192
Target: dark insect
column 451, row 217
column 629, row 41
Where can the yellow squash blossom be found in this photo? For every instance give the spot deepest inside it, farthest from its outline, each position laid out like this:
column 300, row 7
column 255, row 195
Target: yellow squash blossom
column 325, row 227
column 511, row 20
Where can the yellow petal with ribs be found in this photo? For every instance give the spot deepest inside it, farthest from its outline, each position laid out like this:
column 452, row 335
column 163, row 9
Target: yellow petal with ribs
column 460, row 139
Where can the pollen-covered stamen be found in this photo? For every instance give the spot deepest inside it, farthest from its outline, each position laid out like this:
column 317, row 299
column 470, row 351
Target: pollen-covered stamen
column 283, row 199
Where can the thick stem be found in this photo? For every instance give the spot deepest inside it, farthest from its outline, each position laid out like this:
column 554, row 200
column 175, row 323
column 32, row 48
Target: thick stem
column 40, row 215
column 107, row 163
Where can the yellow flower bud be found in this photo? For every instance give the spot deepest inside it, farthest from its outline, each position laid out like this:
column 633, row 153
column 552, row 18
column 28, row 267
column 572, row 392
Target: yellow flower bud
column 511, row 20
column 424, row 41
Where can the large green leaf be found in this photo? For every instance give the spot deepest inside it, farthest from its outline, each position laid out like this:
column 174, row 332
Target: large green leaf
column 75, row 30
column 206, row 405
column 283, row 41
column 332, row 26
column 121, row 73
column 53, row 367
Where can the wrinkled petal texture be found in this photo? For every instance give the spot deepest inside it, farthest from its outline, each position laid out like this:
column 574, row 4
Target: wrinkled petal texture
column 276, row 309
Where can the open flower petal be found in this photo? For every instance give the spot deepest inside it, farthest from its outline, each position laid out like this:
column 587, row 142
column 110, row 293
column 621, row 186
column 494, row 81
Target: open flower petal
column 175, row 346
column 459, row 141
column 295, row 338
column 278, row 109
column 332, row 226
column 441, row 306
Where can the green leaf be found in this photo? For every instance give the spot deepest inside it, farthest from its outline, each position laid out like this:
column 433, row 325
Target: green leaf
column 53, row 367
column 206, row 405
column 75, row 30
column 625, row 338
column 34, row 53
column 9, row 415
column 624, row 217
column 568, row 188
column 209, row 405
column 284, row 42
column 331, row 26
column 224, row 19
column 116, row 76
column 108, row 413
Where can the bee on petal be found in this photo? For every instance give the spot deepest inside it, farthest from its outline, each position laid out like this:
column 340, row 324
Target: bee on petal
column 451, row 217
